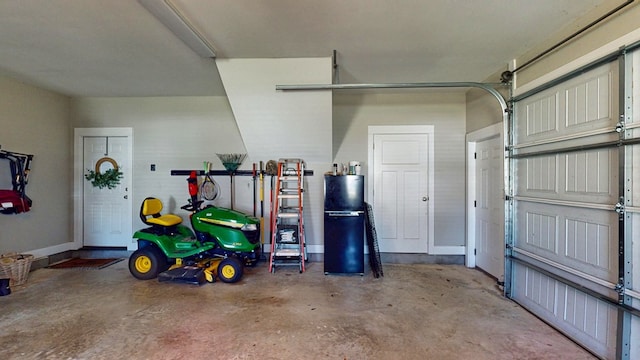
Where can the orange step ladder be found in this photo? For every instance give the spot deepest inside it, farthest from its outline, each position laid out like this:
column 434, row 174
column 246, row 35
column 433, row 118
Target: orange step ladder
column 288, row 246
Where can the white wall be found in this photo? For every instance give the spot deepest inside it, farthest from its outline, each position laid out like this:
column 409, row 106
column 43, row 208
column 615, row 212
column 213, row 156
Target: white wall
column 483, row 109
column 285, row 124
column 354, row 112
column 280, row 124
column 174, row 133
column 36, row 121
column 179, row 133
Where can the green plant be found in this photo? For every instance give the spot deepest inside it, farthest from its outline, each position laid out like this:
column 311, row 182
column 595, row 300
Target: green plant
column 109, row 179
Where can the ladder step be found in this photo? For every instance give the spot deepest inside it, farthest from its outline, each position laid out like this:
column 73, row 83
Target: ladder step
column 289, row 196
column 288, row 215
column 290, row 191
column 287, row 252
column 278, row 263
column 291, row 160
column 289, row 209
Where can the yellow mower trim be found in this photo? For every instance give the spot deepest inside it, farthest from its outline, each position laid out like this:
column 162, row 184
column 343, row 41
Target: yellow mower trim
column 231, row 224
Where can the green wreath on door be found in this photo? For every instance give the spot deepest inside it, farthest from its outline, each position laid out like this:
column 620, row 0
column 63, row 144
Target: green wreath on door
column 108, row 179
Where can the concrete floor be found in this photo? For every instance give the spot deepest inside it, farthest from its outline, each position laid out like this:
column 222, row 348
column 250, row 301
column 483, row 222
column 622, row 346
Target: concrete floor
column 414, row 312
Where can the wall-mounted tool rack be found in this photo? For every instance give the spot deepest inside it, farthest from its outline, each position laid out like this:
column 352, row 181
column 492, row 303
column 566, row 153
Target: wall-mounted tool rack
column 225, row 172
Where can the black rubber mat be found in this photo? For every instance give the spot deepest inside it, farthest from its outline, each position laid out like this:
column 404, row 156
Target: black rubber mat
column 372, row 243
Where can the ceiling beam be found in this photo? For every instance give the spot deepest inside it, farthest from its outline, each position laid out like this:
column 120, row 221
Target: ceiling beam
column 171, row 17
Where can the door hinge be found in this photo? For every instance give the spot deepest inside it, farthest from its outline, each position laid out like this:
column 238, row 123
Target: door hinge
column 620, row 288
column 475, row 251
column 475, row 203
column 475, row 155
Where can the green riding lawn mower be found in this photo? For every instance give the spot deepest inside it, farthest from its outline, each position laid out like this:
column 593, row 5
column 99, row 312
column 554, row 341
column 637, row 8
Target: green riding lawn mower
column 221, row 243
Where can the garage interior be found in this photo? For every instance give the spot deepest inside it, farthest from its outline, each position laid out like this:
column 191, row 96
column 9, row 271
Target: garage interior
column 498, row 137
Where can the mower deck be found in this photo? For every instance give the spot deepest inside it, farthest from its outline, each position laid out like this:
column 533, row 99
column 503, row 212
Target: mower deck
column 184, row 274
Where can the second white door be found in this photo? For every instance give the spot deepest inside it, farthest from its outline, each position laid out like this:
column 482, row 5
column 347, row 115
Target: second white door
column 490, row 207
column 401, row 192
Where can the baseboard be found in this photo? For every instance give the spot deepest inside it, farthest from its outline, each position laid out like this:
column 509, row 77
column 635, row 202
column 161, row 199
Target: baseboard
column 395, row 258
column 44, row 261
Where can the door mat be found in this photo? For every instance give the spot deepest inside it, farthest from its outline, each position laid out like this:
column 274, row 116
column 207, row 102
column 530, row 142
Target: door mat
column 80, row 263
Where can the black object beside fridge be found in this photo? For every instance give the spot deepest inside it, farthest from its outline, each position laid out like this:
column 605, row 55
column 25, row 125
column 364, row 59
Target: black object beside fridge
column 344, row 224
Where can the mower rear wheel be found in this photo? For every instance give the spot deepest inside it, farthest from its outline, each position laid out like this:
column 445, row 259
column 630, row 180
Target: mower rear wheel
column 147, row 263
column 230, row 270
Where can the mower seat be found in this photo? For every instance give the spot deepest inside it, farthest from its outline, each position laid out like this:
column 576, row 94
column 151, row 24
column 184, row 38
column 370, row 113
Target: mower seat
column 150, row 214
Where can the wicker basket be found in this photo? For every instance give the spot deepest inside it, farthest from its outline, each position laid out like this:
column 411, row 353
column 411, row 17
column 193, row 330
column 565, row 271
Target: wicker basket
column 15, row 267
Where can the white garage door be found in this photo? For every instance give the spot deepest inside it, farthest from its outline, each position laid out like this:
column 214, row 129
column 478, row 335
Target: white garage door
column 571, row 168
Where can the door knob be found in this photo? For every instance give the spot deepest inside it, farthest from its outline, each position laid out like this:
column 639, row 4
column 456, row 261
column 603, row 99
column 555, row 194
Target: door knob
column 126, row 196
column 425, row 198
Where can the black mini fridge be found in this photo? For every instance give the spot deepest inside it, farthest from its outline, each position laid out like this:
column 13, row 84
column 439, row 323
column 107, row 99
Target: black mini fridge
column 344, row 224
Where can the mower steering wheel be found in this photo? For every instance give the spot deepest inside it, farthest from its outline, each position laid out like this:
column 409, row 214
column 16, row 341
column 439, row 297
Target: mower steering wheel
column 192, row 207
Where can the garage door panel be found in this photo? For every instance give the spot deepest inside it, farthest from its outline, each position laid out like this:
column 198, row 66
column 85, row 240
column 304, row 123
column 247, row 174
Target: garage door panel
column 542, row 230
column 583, row 104
column 591, row 173
column 582, row 239
column 541, row 290
column 542, row 117
column 634, row 352
column 635, row 279
column 587, row 315
column 584, row 176
column 538, row 176
column 635, row 186
column 634, row 157
column 635, row 253
column 605, row 289
column 574, row 149
column 588, row 101
column 586, row 319
column 608, row 136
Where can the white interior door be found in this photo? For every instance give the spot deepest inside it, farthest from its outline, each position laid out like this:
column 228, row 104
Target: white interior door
column 107, row 212
column 489, row 207
column 401, row 192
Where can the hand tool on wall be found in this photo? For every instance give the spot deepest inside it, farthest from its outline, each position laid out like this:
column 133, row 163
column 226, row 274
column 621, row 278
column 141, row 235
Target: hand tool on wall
column 253, row 176
column 261, row 175
column 192, row 180
column 231, row 162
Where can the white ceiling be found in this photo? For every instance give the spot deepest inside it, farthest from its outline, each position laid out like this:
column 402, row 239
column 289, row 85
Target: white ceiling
column 117, row 48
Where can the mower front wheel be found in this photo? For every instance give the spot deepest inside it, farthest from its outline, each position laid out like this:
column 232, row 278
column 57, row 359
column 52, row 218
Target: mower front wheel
column 147, row 263
column 230, row 270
